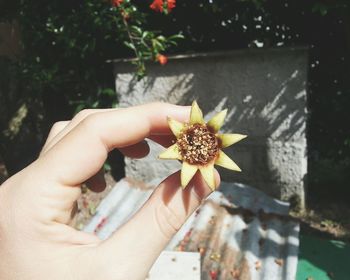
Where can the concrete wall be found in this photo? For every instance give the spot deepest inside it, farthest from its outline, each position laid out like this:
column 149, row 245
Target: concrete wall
column 265, row 92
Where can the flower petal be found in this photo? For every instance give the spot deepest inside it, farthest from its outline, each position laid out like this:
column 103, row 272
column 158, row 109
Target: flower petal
column 187, row 173
column 171, row 153
column 196, row 114
column 175, row 126
column 224, row 161
column 217, row 121
column 230, row 139
column 207, row 172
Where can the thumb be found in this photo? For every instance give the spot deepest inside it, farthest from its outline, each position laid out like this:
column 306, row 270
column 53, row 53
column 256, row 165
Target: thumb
column 136, row 245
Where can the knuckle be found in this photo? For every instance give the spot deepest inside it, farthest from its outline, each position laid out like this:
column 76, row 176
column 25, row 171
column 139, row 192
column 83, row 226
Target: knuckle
column 91, row 122
column 168, row 221
column 58, row 126
column 81, row 115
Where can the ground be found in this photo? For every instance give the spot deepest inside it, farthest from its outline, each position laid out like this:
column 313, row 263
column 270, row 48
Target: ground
column 326, row 220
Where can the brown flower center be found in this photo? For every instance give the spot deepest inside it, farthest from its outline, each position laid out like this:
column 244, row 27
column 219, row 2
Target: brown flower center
column 198, row 145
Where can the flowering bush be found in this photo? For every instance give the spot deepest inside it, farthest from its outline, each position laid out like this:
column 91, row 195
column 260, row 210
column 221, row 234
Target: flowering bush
column 62, row 66
column 146, row 45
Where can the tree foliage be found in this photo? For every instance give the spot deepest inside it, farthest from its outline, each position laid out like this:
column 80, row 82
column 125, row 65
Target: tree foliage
column 65, row 45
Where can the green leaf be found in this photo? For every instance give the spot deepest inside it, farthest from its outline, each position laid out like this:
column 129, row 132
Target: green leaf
column 176, row 37
column 109, row 92
column 146, row 34
column 95, row 104
column 129, row 45
column 157, row 45
column 161, row 38
column 136, row 29
column 80, row 107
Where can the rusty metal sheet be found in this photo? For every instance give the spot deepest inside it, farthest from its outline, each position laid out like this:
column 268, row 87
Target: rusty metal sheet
column 240, row 232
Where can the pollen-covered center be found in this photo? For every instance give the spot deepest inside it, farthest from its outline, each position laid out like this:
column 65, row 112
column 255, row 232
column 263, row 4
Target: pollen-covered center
column 198, row 145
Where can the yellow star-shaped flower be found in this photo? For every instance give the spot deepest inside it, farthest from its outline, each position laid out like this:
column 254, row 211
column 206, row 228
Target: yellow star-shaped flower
column 198, row 145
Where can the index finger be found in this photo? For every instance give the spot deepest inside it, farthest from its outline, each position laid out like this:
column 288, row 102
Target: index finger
column 82, row 152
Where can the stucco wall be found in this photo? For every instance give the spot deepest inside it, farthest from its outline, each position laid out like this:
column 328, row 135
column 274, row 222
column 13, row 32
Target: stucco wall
column 265, row 93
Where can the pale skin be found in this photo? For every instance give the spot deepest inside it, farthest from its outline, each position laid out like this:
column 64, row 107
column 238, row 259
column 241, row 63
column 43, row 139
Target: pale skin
column 37, row 204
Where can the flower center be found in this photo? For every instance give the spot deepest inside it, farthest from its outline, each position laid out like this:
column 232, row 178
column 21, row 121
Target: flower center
column 198, row 145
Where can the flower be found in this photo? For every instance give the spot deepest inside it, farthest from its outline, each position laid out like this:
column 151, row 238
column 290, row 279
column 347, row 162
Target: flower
column 157, row 5
column 198, row 145
column 162, row 59
column 117, row 3
column 171, row 5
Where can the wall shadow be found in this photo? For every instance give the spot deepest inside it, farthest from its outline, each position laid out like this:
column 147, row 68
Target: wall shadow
column 265, row 93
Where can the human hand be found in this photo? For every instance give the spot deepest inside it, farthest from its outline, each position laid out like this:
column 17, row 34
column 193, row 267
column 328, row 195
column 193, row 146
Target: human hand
column 37, row 204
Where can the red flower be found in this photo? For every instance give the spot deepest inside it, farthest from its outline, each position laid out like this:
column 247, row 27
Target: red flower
column 157, row 5
column 117, row 3
column 171, row 5
column 162, row 59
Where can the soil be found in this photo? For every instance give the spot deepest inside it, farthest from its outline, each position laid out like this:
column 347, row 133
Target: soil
column 326, row 220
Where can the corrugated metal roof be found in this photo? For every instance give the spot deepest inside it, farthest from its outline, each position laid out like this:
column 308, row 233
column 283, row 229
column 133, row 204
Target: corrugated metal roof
column 240, row 232
column 172, row 265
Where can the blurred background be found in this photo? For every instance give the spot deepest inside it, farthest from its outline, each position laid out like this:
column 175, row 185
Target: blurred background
column 55, row 60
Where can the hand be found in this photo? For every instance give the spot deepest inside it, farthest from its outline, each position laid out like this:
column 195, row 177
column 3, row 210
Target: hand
column 37, row 204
